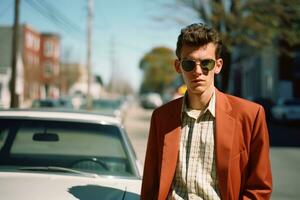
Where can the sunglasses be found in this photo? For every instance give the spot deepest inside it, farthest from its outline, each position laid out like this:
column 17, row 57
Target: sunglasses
column 206, row 64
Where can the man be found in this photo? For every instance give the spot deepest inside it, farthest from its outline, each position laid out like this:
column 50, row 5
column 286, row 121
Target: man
column 207, row 144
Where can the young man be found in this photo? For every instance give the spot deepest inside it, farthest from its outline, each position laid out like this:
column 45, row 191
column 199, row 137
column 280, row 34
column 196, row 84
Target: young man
column 206, row 145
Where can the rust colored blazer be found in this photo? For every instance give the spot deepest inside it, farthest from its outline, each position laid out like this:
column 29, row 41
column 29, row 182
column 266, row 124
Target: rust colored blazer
column 241, row 145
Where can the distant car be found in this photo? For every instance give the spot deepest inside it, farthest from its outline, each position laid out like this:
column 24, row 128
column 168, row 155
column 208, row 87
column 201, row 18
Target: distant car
column 111, row 107
column 286, row 110
column 45, row 103
column 151, row 100
column 52, row 103
column 66, row 155
column 65, row 102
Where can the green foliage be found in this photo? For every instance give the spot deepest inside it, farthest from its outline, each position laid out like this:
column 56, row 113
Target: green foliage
column 158, row 69
column 257, row 24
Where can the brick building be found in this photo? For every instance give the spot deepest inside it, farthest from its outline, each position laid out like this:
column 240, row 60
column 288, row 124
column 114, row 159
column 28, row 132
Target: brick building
column 39, row 55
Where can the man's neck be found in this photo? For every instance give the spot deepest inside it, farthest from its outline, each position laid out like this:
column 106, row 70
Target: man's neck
column 200, row 101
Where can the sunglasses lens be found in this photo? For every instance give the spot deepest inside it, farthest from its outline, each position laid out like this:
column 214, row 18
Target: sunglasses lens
column 188, row 65
column 207, row 64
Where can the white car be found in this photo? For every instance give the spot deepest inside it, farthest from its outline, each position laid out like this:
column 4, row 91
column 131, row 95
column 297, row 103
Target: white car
column 286, row 110
column 67, row 156
column 151, row 100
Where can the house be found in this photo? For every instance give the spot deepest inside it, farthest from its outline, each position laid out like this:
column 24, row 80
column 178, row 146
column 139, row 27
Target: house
column 265, row 74
column 49, row 65
column 5, row 68
column 38, row 64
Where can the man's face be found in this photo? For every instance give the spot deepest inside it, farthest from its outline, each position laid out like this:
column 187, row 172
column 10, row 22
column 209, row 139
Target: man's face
column 199, row 80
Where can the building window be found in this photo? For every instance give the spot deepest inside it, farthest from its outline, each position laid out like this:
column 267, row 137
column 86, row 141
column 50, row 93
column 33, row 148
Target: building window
column 30, row 60
column 48, row 69
column 32, row 41
column 36, row 44
column 48, row 49
column 29, row 40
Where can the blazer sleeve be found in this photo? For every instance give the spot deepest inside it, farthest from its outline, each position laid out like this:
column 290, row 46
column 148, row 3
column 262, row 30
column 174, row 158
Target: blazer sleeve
column 150, row 182
column 259, row 180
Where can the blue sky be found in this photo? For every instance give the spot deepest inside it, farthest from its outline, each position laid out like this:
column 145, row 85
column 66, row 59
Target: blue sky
column 123, row 31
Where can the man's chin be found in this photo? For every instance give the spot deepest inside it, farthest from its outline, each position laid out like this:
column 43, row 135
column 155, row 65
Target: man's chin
column 198, row 90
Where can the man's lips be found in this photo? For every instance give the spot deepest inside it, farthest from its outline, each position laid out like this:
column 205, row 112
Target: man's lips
column 197, row 80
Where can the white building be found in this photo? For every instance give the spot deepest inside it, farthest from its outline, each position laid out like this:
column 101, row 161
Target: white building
column 5, row 68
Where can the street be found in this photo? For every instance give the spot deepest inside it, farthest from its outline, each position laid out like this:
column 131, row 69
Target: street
column 137, row 123
column 285, row 150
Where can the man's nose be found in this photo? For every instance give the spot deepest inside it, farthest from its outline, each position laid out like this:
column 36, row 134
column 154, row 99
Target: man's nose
column 198, row 68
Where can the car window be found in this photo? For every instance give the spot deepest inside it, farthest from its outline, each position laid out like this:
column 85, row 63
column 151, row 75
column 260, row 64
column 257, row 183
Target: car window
column 74, row 139
column 106, row 104
column 92, row 147
column 3, row 136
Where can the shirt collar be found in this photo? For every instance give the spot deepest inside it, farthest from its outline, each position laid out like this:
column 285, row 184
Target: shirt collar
column 196, row 113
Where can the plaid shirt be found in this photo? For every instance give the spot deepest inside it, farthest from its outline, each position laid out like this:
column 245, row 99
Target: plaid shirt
column 195, row 176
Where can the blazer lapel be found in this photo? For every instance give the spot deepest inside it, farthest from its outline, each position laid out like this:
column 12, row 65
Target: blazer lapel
column 225, row 127
column 170, row 151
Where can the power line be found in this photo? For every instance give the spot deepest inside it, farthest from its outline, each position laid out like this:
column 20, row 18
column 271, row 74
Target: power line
column 57, row 14
column 6, row 8
column 51, row 16
column 48, row 13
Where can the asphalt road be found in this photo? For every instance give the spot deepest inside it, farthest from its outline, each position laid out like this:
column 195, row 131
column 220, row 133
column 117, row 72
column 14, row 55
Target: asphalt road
column 137, row 123
column 285, row 160
column 285, row 150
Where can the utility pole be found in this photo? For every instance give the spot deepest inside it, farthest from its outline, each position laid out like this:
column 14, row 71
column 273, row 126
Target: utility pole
column 14, row 100
column 89, row 53
column 113, row 66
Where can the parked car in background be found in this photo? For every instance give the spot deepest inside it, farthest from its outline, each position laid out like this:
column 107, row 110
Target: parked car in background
column 53, row 103
column 151, row 100
column 115, row 107
column 45, row 103
column 66, row 155
column 286, row 110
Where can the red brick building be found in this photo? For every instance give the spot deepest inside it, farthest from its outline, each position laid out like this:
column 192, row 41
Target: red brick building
column 30, row 48
column 49, row 65
column 40, row 53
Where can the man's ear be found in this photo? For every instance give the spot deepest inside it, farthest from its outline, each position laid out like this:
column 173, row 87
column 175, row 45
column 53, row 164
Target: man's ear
column 219, row 65
column 177, row 66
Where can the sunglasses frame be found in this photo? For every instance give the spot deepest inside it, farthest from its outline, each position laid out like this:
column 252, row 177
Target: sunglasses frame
column 211, row 62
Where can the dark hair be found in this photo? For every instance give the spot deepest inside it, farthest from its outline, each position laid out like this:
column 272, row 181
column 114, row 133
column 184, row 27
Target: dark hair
column 198, row 34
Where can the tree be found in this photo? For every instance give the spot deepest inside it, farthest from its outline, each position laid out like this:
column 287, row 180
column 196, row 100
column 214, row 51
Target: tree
column 253, row 23
column 158, row 70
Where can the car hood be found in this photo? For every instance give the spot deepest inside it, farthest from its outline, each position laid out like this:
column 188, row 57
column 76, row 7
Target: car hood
column 37, row 186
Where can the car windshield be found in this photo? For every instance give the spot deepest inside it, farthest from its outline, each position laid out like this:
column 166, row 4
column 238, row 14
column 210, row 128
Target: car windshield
column 106, row 104
column 88, row 147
